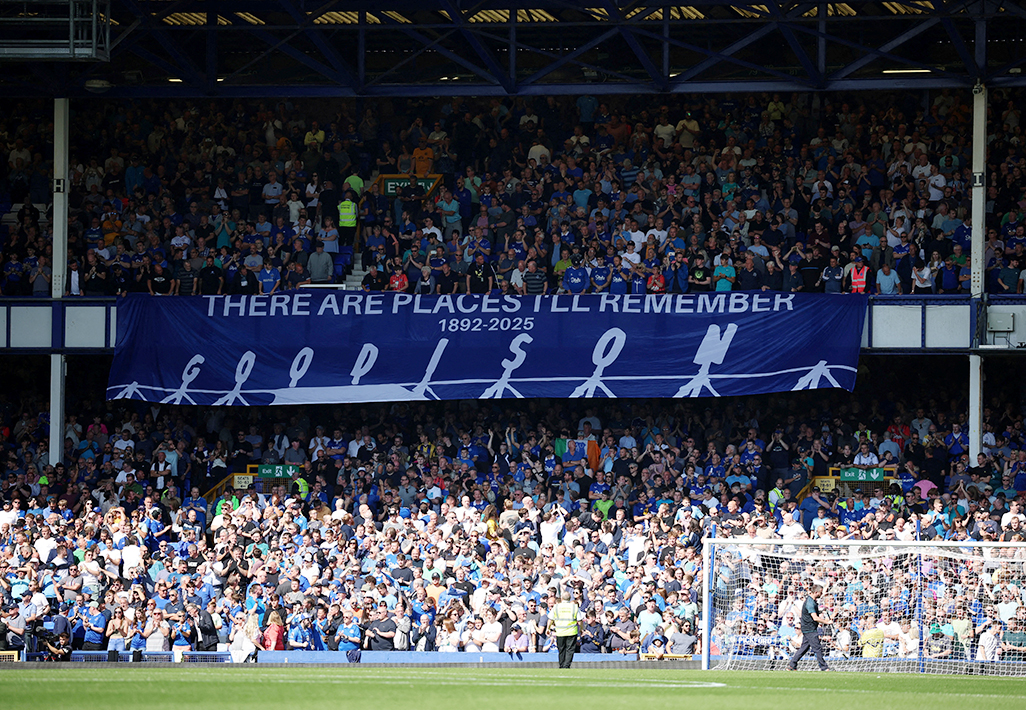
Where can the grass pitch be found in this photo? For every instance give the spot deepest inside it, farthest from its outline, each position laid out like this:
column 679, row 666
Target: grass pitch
column 480, row 688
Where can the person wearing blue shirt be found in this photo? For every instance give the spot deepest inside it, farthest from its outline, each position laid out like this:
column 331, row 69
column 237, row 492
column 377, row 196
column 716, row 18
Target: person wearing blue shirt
column 269, row 278
column 95, row 624
column 600, row 275
column 947, row 279
column 300, row 635
column 963, row 234
column 197, row 503
column 586, row 107
column 809, row 508
column 639, row 281
column 677, row 274
column 957, row 441
column 851, row 513
column 575, row 278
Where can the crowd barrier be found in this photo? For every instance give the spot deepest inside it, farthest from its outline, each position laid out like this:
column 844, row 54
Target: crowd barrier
column 433, row 657
column 338, row 657
column 102, row 656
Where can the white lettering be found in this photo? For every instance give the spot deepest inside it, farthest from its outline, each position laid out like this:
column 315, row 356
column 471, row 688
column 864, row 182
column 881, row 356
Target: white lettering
column 576, row 308
column 256, row 302
column 685, row 304
column 781, row 299
column 632, row 302
column 490, row 304
column 460, row 306
column 612, row 300
column 657, row 303
column 228, row 305
column 711, row 304
column 301, row 304
column 511, row 305
column 537, row 304
column 280, row 302
column 760, row 303
column 444, row 301
column 211, row 300
column 352, row 300
column 417, row 308
column 329, row 303
column 738, row 302
column 401, row 300
column 372, row 304
column 554, row 305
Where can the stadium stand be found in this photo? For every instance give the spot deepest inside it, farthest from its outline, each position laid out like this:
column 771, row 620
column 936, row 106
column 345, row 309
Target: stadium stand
column 441, row 527
column 790, row 181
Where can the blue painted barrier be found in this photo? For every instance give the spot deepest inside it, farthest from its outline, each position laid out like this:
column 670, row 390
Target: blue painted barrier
column 206, row 657
column 435, row 657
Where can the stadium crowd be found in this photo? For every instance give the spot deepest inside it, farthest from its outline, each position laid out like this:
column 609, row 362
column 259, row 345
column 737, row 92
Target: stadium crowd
column 754, row 192
column 455, row 526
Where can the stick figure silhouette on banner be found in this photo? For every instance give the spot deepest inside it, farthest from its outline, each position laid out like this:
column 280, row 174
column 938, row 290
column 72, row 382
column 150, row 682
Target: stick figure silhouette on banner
column 189, row 374
column 424, row 386
column 502, row 385
column 711, row 352
column 300, row 365
column 242, row 372
column 364, row 362
column 614, row 339
column 819, row 371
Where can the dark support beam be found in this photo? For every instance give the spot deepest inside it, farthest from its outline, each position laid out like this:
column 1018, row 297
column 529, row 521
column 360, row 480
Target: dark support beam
column 718, row 57
column 567, row 58
column 814, row 71
column 880, row 53
column 187, row 70
column 958, row 43
column 512, row 59
column 274, row 43
column 659, row 78
column 821, row 43
column 474, row 42
column 435, row 45
column 725, row 54
column 211, row 59
column 980, row 43
column 317, row 38
column 884, row 49
column 633, row 45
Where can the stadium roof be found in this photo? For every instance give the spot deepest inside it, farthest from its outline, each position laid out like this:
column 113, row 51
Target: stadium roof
column 294, row 48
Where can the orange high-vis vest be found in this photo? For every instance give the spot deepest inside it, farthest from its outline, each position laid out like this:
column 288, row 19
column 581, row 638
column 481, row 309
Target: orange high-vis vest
column 858, row 279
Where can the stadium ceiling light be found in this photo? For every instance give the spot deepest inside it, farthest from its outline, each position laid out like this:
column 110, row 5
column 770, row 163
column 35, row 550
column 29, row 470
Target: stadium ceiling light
column 907, row 71
column 174, row 80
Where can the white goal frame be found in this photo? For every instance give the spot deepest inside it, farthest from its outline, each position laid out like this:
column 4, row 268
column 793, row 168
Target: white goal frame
column 709, row 545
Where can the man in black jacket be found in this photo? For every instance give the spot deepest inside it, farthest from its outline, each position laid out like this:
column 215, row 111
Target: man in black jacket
column 423, row 635
column 206, row 632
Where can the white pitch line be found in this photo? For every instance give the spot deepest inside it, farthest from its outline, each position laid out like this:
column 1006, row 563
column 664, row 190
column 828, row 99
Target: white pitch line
column 855, row 690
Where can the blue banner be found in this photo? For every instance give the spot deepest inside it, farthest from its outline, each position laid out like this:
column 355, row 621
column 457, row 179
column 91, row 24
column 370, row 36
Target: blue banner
column 307, row 347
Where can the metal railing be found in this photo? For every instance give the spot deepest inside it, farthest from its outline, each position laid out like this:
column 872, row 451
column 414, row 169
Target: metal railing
column 54, row 30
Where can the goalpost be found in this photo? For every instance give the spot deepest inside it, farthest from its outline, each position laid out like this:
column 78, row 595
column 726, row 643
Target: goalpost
column 895, row 606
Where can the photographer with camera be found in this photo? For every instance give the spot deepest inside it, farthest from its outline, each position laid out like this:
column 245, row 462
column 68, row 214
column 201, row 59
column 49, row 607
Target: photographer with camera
column 58, row 648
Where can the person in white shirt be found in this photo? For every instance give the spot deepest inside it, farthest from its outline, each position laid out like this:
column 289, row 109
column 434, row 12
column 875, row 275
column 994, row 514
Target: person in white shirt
column 125, row 442
column 1014, row 511
column 790, row 528
column 865, row 458
column 631, row 254
column 658, row 231
column 318, row 443
column 490, row 633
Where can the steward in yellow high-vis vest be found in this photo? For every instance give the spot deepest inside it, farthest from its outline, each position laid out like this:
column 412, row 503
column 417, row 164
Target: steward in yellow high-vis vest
column 564, row 619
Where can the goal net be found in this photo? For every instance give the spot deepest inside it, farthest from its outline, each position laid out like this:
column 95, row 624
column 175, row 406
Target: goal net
column 901, row 607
